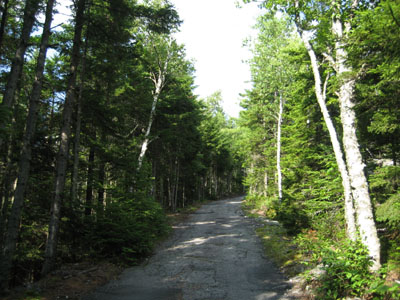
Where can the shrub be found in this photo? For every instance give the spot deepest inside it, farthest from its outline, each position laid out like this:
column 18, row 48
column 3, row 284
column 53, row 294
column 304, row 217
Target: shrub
column 291, row 215
column 346, row 271
column 128, row 229
column 379, row 290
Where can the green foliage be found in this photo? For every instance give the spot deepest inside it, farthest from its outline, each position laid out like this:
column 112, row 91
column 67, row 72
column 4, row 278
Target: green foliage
column 291, row 215
column 259, row 203
column 110, row 211
column 128, row 230
column 380, row 290
column 389, row 212
column 346, row 271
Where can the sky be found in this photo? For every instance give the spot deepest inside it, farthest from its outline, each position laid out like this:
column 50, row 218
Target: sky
column 213, row 32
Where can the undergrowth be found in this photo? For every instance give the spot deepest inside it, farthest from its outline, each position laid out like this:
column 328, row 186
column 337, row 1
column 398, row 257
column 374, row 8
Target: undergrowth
column 333, row 269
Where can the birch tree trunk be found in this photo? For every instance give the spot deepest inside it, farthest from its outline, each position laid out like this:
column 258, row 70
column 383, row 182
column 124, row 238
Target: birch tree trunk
column 158, row 78
column 25, row 159
column 31, row 8
column 158, row 88
column 62, row 157
column 355, row 165
column 278, row 146
column 265, row 183
column 320, row 93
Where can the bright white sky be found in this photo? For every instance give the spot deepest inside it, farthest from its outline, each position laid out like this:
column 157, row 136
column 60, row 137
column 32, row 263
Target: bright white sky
column 213, row 32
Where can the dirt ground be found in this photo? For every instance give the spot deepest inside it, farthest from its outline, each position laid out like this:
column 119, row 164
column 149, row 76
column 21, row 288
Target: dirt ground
column 72, row 281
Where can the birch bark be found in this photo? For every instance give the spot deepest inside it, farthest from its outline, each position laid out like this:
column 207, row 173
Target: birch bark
column 320, row 93
column 159, row 82
column 278, row 146
column 355, row 165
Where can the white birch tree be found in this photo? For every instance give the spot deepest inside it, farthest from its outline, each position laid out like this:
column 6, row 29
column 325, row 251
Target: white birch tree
column 271, row 73
column 355, row 165
column 162, row 59
column 331, row 20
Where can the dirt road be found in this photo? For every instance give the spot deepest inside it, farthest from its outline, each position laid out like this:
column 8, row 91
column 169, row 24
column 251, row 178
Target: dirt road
column 213, row 255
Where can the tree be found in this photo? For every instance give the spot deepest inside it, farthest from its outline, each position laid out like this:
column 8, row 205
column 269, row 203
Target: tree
column 62, row 157
column 31, row 8
column 161, row 50
column 334, row 24
column 272, row 75
column 26, row 156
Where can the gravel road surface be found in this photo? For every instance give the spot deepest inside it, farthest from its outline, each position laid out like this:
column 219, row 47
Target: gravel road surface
column 213, row 255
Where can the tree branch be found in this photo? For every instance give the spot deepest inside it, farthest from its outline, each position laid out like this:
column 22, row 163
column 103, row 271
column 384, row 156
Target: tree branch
column 330, row 59
column 325, row 85
column 393, row 16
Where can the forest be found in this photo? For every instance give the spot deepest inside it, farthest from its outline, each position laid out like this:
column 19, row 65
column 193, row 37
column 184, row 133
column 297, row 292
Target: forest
column 321, row 125
column 102, row 134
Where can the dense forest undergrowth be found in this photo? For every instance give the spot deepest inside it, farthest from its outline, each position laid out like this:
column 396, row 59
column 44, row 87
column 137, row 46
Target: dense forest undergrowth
column 103, row 135
column 74, row 280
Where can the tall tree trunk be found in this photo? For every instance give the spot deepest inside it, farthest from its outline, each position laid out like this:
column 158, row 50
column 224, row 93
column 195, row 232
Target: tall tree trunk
column 75, row 169
column 159, row 83
column 62, row 157
column 100, row 198
column 31, row 8
column 8, row 186
column 9, row 178
column 265, row 192
column 89, row 185
column 176, row 184
column 394, row 151
column 278, row 146
column 251, row 171
column 355, row 165
column 3, row 22
column 25, row 159
column 320, row 93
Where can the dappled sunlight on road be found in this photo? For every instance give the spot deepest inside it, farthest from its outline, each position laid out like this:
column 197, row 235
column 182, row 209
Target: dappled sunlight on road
column 214, row 254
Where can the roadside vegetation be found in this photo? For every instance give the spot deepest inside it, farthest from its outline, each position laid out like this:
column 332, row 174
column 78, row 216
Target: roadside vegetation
column 77, row 279
column 320, row 130
column 321, row 268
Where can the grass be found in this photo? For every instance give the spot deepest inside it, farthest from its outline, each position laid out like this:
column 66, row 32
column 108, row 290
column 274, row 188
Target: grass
column 279, row 246
column 281, row 249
